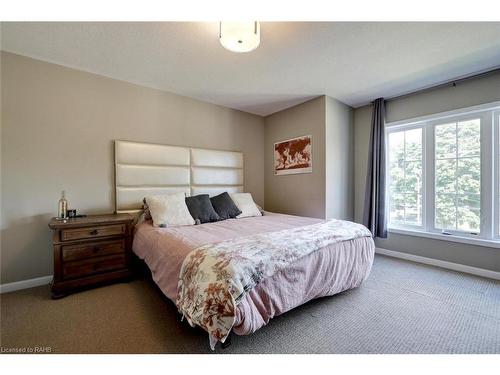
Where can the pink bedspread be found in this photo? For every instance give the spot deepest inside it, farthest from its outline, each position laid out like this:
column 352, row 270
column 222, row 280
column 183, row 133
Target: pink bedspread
column 335, row 268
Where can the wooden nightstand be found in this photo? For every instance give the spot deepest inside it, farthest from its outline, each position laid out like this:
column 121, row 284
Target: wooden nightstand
column 91, row 250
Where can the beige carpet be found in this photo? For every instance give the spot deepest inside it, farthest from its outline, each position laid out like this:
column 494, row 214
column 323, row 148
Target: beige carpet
column 402, row 308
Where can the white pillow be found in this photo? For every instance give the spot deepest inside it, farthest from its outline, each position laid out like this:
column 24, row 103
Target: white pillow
column 245, row 203
column 169, row 210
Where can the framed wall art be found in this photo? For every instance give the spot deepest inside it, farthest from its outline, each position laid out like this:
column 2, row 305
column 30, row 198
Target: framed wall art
column 293, row 156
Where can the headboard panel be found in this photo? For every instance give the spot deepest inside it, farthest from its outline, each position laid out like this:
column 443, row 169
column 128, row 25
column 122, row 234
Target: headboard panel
column 213, row 158
column 150, row 154
column 143, row 169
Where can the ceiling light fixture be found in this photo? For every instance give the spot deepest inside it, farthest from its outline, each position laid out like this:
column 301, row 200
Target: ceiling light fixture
column 239, row 36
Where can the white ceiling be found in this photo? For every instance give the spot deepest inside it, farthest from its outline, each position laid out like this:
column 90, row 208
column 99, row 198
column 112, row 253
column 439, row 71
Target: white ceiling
column 353, row 62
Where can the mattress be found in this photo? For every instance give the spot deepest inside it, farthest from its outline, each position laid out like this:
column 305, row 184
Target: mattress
column 331, row 270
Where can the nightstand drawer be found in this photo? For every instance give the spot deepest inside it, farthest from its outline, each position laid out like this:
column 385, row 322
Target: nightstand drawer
column 94, row 249
column 92, row 266
column 92, row 232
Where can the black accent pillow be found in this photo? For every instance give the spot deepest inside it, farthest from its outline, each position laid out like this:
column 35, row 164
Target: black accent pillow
column 225, row 206
column 201, row 209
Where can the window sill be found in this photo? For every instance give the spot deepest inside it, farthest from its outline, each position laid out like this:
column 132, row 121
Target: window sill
column 444, row 237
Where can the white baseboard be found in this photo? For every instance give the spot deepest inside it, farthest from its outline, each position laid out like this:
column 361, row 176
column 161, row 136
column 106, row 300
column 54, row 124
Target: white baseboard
column 24, row 284
column 441, row 263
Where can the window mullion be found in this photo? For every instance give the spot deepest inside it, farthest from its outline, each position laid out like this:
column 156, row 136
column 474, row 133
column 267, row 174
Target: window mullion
column 496, row 174
column 428, row 186
column 487, row 172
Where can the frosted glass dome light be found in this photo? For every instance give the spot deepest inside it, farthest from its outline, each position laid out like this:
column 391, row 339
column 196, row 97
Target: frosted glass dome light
column 239, row 36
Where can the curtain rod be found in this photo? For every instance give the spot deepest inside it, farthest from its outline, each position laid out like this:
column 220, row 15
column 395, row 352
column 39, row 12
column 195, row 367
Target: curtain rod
column 452, row 82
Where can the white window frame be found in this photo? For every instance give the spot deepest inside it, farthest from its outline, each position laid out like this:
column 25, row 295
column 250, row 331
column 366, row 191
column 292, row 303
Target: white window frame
column 496, row 173
column 489, row 234
column 486, row 168
column 388, row 203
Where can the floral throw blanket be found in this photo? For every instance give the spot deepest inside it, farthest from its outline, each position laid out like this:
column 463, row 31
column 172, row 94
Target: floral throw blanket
column 215, row 277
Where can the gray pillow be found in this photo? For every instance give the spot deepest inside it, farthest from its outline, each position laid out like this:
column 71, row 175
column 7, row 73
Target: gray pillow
column 225, row 206
column 201, row 209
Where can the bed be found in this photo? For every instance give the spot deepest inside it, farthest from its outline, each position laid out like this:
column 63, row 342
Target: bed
column 339, row 255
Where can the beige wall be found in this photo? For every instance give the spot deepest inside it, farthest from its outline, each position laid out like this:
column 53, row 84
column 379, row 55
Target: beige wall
column 466, row 94
column 58, row 125
column 362, row 129
column 339, row 156
column 327, row 191
column 297, row 194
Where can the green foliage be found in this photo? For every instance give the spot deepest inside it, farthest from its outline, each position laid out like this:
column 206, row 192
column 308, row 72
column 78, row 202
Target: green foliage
column 457, row 176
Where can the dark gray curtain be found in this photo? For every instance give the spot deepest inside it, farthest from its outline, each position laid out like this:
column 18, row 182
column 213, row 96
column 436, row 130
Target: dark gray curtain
column 374, row 215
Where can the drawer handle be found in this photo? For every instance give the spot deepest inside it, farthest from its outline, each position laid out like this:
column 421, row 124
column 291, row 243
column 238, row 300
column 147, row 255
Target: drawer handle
column 95, row 249
column 94, row 232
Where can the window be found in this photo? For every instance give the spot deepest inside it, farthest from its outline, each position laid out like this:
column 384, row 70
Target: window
column 458, row 176
column 405, row 177
column 442, row 177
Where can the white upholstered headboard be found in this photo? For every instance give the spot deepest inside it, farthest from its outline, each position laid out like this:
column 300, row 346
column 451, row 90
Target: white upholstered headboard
column 143, row 169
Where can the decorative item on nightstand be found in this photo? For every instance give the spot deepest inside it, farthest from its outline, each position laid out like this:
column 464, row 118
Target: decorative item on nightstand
column 91, row 250
column 62, row 211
